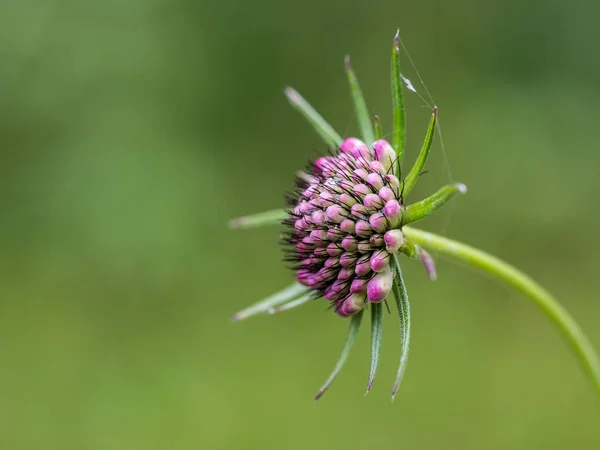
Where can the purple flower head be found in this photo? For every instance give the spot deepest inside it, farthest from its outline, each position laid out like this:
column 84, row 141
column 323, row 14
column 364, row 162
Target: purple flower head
column 343, row 215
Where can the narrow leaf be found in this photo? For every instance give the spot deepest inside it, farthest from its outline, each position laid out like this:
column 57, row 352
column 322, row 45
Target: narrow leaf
column 376, row 332
column 293, row 304
column 403, row 305
column 377, row 125
column 501, row 270
column 276, row 299
column 415, row 172
column 362, row 114
column 351, row 337
column 398, row 104
column 424, row 208
column 272, row 217
column 323, row 128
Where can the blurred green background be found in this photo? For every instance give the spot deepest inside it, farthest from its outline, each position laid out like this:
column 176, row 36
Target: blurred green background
column 132, row 131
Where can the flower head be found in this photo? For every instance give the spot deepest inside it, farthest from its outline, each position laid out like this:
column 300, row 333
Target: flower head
column 343, row 225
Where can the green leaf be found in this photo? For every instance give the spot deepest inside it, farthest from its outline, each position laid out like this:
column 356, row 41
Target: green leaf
column 403, row 305
column 580, row 344
column 377, row 125
column 272, row 217
column 285, row 295
column 398, row 104
column 415, row 172
column 362, row 114
column 293, row 304
column 351, row 337
column 420, row 210
column 376, row 332
column 323, row 128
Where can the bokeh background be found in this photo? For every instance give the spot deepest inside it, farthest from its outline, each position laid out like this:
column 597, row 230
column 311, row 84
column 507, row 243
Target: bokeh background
column 131, row 132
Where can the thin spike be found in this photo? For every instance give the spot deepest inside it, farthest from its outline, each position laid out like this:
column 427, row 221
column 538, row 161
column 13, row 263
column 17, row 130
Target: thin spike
column 325, row 130
column 376, row 332
column 377, row 125
column 272, row 301
column 293, row 304
column 398, row 104
column 420, row 210
column 362, row 114
column 403, row 305
column 351, row 337
column 262, row 219
column 417, row 169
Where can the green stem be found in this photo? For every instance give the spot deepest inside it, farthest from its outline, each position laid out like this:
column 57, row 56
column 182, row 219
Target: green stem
column 514, row 277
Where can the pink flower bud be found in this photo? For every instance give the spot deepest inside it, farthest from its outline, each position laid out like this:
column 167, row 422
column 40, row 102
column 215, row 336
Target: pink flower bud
column 349, row 243
column 375, row 180
column 348, row 259
column 333, row 249
column 335, row 213
column 363, row 229
column 380, row 286
column 386, row 194
column 378, row 222
column 352, row 304
column 347, row 226
column 380, row 260
column 358, row 285
column 384, row 153
column 363, row 266
column 394, row 239
column 361, row 190
column 356, row 148
column 373, row 201
column 393, row 212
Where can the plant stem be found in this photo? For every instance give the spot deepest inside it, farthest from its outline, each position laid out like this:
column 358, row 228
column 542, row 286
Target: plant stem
column 514, row 277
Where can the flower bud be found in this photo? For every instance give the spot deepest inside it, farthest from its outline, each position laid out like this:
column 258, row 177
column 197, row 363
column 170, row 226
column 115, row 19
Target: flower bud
column 352, row 304
column 378, row 222
column 363, row 229
column 380, row 286
column 394, row 239
column 380, row 260
column 393, row 212
column 386, row 194
column 356, row 148
column 384, row 153
column 349, row 243
column 358, row 285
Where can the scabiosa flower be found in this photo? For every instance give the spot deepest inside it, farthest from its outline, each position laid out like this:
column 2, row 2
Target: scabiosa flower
column 344, row 225
column 347, row 224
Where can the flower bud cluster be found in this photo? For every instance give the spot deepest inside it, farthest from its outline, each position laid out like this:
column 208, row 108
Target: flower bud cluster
column 344, row 225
